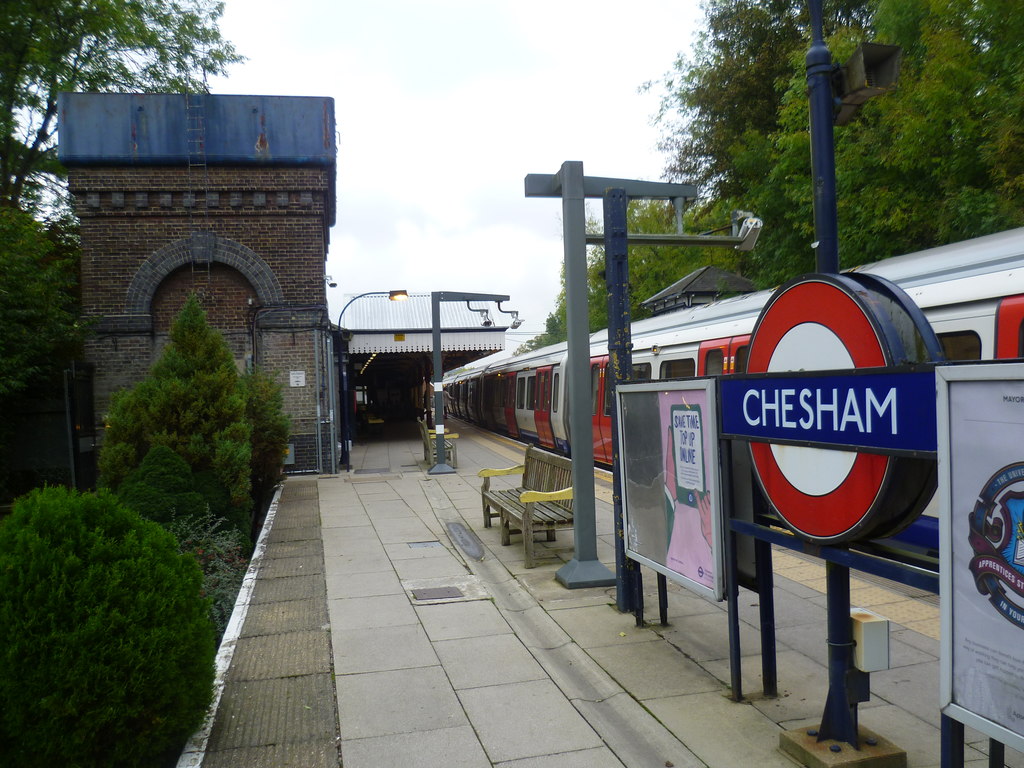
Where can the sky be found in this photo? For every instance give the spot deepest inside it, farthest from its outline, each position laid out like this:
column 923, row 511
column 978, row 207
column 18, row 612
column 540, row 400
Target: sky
column 444, row 106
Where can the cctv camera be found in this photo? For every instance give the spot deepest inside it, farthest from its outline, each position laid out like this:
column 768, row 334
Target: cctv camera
column 749, row 231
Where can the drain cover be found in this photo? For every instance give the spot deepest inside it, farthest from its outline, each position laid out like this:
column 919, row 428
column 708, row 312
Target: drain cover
column 423, row 544
column 437, row 593
column 466, row 540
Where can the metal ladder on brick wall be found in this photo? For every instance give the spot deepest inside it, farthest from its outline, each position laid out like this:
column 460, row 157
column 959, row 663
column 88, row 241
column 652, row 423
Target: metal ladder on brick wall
column 198, row 180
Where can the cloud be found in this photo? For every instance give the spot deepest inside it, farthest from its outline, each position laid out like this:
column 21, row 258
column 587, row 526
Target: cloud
column 444, row 106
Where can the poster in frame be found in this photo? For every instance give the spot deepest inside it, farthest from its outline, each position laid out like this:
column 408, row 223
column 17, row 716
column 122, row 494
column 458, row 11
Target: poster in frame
column 981, row 547
column 671, row 497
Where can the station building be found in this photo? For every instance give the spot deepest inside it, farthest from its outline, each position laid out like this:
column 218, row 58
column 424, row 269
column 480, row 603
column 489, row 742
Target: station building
column 231, row 198
column 227, row 197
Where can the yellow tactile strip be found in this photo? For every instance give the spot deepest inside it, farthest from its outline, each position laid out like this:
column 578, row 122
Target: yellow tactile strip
column 909, row 612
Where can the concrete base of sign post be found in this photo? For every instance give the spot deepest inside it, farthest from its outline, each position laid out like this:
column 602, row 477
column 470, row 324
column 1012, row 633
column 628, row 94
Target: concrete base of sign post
column 579, row 574
column 875, row 751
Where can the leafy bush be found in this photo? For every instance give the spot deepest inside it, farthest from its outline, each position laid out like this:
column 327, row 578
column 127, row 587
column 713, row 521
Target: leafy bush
column 221, row 553
column 264, row 408
column 162, row 487
column 106, row 647
column 191, row 403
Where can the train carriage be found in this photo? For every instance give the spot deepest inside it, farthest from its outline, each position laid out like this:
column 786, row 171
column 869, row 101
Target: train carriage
column 972, row 293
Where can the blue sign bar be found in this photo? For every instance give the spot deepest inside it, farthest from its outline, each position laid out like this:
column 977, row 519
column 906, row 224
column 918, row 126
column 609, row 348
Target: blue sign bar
column 879, row 412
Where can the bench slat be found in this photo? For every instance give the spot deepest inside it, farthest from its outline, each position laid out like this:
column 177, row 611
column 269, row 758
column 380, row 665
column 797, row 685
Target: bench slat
column 543, row 472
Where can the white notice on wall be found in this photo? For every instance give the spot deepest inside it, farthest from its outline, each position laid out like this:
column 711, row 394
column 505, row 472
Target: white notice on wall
column 297, row 378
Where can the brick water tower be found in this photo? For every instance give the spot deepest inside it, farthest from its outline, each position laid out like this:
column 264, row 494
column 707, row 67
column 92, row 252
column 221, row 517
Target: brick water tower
column 227, row 197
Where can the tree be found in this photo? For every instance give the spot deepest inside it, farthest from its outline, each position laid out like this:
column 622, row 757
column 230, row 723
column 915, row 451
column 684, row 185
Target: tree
column 191, row 403
column 935, row 162
column 49, row 46
column 38, row 331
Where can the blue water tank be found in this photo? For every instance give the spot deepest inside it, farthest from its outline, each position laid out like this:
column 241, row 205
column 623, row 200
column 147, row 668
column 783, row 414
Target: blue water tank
column 165, row 129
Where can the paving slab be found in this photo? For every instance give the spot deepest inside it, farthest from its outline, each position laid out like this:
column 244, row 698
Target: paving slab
column 473, row 662
column 378, row 649
column 653, row 670
column 269, row 712
column 369, row 612
column 285, row 616
column 399, row 701
column 450, row 747
column 748, row 738
column 536, row 719
column 450, row 621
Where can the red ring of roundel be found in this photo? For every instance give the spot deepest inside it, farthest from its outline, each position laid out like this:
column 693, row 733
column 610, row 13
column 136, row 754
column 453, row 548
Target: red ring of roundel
column 842, row 509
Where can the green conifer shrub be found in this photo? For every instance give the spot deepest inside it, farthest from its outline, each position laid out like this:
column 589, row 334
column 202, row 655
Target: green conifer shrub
column 162, row 487
column 264, row 408
column 191, row 403
column 106, row 646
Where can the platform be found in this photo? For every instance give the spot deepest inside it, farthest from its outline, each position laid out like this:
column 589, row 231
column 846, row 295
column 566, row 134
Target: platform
column 380, row 635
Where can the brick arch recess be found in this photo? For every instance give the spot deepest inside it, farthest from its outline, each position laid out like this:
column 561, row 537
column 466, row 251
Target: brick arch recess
column 224, row 294
column 201, row 249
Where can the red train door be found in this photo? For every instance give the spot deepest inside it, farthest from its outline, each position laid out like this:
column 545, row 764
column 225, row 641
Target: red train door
column 600, row 409
column 723, row 356
column 542, row 412
column 1010, row 328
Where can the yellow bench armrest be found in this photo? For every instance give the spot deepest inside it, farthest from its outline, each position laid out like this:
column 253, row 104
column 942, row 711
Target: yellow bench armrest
column 560, row 495
column 518, row 469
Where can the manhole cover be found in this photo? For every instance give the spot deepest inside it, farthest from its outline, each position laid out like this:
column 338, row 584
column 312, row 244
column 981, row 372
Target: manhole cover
column 437, row 593
column 466, row 540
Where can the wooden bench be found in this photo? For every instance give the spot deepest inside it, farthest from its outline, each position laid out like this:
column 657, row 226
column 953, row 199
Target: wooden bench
column 429, row 437
column 543, row 501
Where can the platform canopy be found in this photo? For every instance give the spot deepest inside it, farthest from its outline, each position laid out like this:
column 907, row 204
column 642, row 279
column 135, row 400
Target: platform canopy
column 378, row 324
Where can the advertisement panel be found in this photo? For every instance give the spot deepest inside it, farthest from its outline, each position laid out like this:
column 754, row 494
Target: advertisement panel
column 981, row 487
column 668, row 437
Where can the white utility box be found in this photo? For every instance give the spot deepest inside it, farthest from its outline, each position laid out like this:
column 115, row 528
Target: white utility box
column 871, row 640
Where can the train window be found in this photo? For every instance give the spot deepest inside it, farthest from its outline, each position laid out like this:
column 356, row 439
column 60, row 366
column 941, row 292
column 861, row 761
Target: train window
column 714, row 362
column 741, row 359
column 531, row 393
column 678, row 369
column 595, row 387
column 642, row 371
column 554, row 396
column 608, row 392
column 545, row 390
column 521, row 395
column 962, row 345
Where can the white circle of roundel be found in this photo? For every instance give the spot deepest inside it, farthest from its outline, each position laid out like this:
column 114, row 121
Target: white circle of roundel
column 811, row 347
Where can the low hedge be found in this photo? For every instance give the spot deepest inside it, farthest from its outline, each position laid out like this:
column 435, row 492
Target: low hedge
column 106, row 646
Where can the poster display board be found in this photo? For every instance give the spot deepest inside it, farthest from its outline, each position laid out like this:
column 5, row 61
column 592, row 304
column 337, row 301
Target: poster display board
column 981, row 492
column 668, row 438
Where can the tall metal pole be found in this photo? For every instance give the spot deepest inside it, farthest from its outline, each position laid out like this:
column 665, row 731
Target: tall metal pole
column 620, row 368
column 441, row 466
column 839, row 720
column 584, row 570
column 823, row 160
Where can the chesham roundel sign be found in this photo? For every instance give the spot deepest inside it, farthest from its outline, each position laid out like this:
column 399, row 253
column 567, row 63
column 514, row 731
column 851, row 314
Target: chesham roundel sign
column 840, row 324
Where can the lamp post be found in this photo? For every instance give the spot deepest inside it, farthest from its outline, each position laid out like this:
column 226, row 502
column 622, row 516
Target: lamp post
column 346, row 424
column 441, row 466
